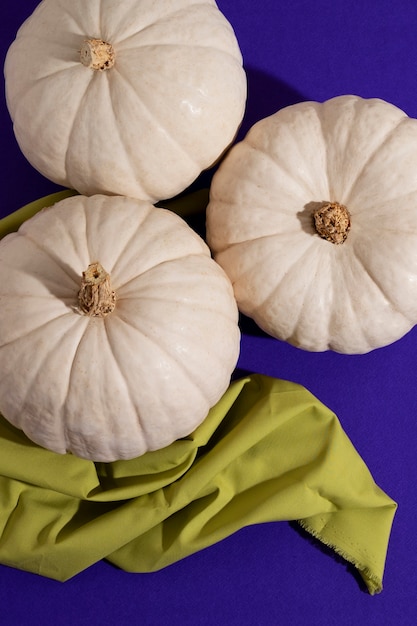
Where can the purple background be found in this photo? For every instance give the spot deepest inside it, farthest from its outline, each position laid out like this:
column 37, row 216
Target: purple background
column 270, row 574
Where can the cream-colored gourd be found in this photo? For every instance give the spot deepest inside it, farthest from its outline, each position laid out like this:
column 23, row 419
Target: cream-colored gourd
column 118, row 331
column 314, row 218
column 130, row 98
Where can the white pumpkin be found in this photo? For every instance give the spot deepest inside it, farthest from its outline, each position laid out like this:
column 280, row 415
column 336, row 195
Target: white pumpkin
column 130, row 98
column 127, row 359
column 314, row 218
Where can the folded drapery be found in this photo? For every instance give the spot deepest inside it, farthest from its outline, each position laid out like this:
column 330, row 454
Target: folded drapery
column 268, row 451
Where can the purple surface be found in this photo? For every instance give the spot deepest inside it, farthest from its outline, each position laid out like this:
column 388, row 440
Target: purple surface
column 270, row 574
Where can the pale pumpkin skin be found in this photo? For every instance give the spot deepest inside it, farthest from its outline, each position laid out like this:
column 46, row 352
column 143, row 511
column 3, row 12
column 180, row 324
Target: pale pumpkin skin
column 144, row 375
column 146, row 126
column 350, row 297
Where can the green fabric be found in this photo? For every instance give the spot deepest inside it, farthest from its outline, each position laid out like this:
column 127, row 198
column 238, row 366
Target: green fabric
column 268, row 451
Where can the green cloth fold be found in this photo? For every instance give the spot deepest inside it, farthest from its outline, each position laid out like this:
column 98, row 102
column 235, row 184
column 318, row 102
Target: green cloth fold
column 268, row 451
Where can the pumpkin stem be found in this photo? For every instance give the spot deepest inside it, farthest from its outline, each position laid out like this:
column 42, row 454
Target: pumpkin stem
column 96, row 297
column 97, row 54
column 332, row 222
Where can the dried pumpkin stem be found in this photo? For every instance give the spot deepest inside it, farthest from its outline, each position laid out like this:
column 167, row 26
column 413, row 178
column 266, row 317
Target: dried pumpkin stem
column 332, row 222
column 97, row 54
column 96, row 297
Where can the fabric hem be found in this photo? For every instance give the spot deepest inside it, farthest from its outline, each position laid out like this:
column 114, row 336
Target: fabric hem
column 372, row 581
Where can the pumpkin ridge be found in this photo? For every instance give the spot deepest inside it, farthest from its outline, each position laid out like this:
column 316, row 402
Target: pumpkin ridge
column 215, row 279
column 138, row 423
column 25, row 95
column 101, row 29
column 356, row 112
column 371, row 157
column 349, row 298
column 385, row 206
column 288, row 171
column 65, row 8
column 52, row 349
column 209, row 49
column 358, row 319
column 179, row 364
column 320, row 113
column 234, row 244
column 287, row 277
column 118, row 128
column 208, row 309
column 36, row 328
column 153, row 119
column 382, row 291
column 264, row 207
column 311, row 289
column 155, row 266
column 52, row 286
column 155, row 298
column 167, row 17
column 52, row 256
column 91, row 232
column 117, row 268
column 190, row 373
column 66, row 64
column 69, row 432
column 72, row 127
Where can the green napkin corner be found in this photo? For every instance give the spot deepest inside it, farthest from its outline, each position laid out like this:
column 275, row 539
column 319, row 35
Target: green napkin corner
column 268, row 451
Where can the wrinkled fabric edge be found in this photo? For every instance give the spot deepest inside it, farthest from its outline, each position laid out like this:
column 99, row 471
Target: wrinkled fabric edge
column 372, row 581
